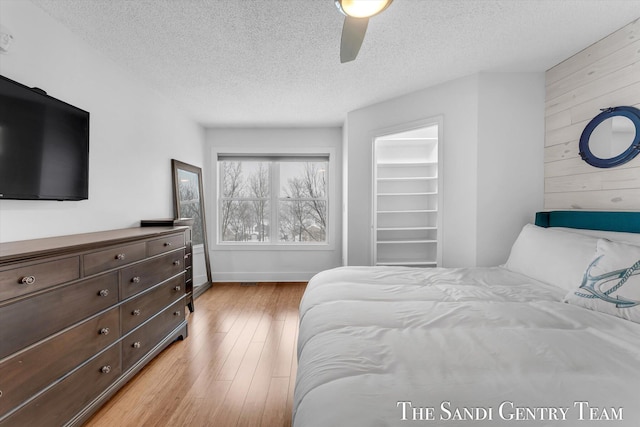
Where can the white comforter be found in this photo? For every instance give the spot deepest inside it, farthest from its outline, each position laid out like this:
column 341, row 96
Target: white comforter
column 386, row 346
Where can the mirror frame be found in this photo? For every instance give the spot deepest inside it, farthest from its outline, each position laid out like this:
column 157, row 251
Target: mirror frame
column 587, row 155
column 176, row 166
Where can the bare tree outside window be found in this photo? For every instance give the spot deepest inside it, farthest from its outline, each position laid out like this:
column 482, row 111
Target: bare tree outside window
column 245, row 201
column 259, row 182
column 303, row 204
column 230, row 188
column 300, row 200
column 189, row 197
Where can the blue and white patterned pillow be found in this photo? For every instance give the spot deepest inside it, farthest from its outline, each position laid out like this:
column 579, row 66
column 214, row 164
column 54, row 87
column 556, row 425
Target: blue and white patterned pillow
column 611, row 282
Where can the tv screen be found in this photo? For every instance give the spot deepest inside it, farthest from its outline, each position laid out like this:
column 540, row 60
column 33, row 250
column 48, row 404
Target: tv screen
column 44, row 146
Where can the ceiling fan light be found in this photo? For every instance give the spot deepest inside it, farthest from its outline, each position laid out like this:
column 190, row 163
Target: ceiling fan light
column 362, row 8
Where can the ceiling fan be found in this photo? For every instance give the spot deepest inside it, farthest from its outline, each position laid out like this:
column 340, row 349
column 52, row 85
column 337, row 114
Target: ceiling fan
column 357, row 14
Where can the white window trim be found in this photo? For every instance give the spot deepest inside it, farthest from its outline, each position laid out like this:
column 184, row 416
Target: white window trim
column 328, row 245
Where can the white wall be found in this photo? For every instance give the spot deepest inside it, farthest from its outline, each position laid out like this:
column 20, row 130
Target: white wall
column 345, row 195
column 492, row 170
column 510, row 159
column 457, row 102
column 134, row 131
column 241, row 263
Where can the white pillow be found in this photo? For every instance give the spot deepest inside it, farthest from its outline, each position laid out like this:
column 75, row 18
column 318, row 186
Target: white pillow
column 611, row 282
column 551, row 256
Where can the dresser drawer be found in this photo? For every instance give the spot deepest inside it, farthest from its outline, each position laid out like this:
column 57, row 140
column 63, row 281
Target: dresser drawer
column 146, row 337
column 141, row 276
column 113, row 257
column 28, row 278
column 137, row 310
column 60, row 403
column 165, row 244
column 28, row 372
column 28, row 321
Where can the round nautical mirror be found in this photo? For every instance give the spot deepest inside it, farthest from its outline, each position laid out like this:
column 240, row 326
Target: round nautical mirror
column 612, row 137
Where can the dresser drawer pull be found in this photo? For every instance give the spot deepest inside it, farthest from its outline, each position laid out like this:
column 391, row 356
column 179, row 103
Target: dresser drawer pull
column 0, row 393
column 103, row 292
column 177, row 313
column 28, row 280
column 177, row 288
column 136, row 279
column 120, row 256
column 167, row 243
column 105, row 369
column 136, row 344
column 176, row 262
column 104, row 331
column 136, row 312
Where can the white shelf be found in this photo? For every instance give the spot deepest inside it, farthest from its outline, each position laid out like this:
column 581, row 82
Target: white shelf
column 408, row 178
column 409, row 263
column 405, row 164
column 407, row 184
column 406, row 228
column 409, row 211
column 426, row 193
column 408, row 241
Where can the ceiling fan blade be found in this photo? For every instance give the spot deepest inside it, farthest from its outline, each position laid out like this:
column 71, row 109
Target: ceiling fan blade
column 353, row 32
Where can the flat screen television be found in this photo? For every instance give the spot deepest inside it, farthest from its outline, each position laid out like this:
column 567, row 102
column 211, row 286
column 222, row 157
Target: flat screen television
column 44, row 146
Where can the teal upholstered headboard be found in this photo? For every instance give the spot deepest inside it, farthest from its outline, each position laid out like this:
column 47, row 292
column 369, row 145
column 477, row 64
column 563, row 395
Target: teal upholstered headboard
column 608, row 221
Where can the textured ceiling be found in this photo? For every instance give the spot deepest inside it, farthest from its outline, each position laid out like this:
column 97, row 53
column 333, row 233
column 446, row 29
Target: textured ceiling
column 276, row 62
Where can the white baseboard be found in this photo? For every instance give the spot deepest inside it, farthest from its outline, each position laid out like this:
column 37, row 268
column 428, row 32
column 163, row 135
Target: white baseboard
column 297, row 276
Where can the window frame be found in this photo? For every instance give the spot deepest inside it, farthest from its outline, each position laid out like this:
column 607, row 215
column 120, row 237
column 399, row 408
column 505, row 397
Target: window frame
column 328, row 153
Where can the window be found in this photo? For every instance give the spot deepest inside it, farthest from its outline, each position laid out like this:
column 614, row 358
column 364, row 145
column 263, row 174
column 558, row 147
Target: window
column 273, row 199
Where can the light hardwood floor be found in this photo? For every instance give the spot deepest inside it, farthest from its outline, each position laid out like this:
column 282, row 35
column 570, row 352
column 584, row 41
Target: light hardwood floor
column 236, row 368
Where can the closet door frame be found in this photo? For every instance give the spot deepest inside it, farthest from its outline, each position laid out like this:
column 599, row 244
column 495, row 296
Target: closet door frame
column 400, row 128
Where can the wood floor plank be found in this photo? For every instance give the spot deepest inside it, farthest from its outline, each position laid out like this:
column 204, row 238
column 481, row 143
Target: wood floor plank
column 276, row 405
column 231, row 365
column 253, row 313
column 229, row 412
column 263, row 328
column 292, row 380
column 236, row 368
column 257, row 396
column 286, row 351
column 198, row 411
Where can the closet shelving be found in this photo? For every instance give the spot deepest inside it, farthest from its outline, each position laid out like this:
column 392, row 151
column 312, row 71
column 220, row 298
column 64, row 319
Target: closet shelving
column 406, row 208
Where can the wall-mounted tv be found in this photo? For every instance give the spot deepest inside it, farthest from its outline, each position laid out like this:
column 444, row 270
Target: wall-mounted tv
column 44, row 146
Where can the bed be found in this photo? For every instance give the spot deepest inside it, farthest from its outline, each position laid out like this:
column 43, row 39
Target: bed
column 551, row 338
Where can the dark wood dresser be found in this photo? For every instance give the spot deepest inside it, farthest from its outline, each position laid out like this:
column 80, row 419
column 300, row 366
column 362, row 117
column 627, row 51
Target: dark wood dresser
column 81, row 314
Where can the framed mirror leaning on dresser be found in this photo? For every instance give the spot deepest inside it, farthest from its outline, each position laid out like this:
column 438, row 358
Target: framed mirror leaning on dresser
column 612, row 138
column 188, row 197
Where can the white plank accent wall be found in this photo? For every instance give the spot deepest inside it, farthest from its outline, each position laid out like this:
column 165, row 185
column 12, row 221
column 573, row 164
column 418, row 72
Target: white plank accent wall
column 606, row 74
